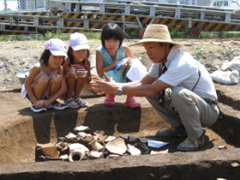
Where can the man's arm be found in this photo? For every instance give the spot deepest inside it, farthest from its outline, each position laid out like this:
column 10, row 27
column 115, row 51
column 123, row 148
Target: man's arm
column 148, row 86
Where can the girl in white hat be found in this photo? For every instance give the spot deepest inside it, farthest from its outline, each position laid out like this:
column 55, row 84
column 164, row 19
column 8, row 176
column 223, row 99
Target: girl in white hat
column 45, row 82
column 77, row 70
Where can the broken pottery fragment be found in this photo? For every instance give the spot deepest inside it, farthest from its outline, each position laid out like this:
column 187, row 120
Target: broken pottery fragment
column 109, row 138
column 85, row 138
column 95, row 154
column 81, row 129
column 222, row 147
column 117, row 146
column 101, row 137
column 48, row 150
column 75, row 146
column 62, row 147
column 133, row 150
column 88, row 139
column 96, row 145
column 70, row 137
column 113, row 156
column 64, row 157
column 159, row 152
column 82, row 135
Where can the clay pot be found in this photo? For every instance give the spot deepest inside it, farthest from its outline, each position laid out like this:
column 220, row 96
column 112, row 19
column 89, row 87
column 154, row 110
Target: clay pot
column 76, row 155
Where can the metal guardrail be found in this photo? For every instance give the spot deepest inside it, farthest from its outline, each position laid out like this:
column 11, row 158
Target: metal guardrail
column 36, row 5
column 74, row 16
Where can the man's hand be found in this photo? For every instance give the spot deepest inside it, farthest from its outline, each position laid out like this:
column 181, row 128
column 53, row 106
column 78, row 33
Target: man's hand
column 101, row 87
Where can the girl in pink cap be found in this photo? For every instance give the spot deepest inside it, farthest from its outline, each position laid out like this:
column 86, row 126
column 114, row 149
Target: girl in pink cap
column 46, row 82
column 77, row 70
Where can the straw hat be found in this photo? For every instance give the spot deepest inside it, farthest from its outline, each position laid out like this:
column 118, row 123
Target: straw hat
column 156, row 33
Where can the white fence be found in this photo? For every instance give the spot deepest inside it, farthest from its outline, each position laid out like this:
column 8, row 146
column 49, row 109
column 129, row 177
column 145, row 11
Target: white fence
column 23, row 5
column 38, row 5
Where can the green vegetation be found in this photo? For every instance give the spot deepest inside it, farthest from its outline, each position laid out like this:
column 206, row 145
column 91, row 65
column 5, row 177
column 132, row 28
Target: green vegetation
column 205, row 35
column 46, row 36
column 97, row 35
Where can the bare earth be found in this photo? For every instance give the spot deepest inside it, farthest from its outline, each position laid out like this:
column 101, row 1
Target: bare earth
column 16, row 56
column 21, row 129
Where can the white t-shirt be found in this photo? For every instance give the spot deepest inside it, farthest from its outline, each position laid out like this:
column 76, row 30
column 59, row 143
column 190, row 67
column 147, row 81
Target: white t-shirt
column 182, row 70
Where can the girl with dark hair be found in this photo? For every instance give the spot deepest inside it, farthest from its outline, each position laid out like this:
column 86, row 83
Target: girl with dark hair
column 46, row 82
column 114, row 58
column 77, row 70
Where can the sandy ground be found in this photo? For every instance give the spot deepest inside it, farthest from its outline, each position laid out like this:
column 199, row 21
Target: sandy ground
column 17, row 56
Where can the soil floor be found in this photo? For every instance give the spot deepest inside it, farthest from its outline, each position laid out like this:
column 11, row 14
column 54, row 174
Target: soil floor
column 22, row 129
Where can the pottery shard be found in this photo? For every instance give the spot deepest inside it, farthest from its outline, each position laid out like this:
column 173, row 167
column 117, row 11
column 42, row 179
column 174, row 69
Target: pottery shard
column 133, row 150
column 117, row 146
column 77, row 147
column 81, row 128
column 96, row 154
column 48, row 150
column 110, row 138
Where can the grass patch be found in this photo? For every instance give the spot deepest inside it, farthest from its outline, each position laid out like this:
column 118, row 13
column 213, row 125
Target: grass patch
column 205, row 35
column 97, row 35
column 46, row 36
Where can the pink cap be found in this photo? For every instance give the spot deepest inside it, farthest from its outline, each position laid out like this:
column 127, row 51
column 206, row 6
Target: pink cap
column 78, row 41
column 57, row 47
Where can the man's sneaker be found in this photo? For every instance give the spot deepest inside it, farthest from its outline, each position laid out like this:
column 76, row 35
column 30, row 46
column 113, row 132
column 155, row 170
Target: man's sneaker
column 172, row 132
column 188, row 145
column 34, row 109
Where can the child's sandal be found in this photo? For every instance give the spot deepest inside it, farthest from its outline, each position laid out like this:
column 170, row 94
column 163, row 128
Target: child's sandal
column 81, row 102
column 34, row 109
column 58, row 106
column 109, row 100
column 132, row 103
column 71, row 103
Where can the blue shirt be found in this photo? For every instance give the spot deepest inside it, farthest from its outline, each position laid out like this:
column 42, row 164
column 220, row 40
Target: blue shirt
column 118, row 75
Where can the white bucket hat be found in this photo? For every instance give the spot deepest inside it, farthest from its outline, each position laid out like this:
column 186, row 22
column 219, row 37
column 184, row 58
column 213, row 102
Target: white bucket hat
column 57, row 47
column 78, row 41
column 156, row 33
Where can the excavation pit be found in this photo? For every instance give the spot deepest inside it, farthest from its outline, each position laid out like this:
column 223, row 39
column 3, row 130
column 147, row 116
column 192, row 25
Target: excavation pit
column 21, row 130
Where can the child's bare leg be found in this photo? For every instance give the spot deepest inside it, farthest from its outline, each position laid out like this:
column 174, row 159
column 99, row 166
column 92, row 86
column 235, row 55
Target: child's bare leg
column 40, row 86
column 71, row 81
column 54, row 84
column 79, row 87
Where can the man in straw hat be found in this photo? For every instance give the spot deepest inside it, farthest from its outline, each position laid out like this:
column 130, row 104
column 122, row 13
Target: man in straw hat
column 177, row 86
